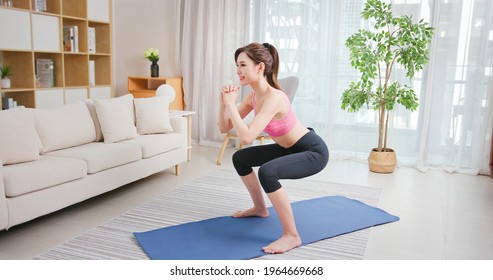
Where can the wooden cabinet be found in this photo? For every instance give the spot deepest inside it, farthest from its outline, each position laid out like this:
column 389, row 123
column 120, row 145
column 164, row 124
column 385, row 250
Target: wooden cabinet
column 141, row 87
column 37, row 33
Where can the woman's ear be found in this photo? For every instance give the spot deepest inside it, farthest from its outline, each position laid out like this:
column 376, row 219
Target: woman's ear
column 261, row 67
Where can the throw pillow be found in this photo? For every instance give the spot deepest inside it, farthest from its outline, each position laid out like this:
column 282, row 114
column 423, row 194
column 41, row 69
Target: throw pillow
column 19, row 141
column 152, row 115
column 66, row 126
column 31, row 113
column 116, row 118
column 92, row 110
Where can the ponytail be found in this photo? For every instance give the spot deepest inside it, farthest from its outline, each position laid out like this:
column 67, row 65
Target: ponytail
column 274, row 69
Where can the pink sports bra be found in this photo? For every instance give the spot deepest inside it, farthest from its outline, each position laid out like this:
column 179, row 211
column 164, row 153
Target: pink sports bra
column 279, row 127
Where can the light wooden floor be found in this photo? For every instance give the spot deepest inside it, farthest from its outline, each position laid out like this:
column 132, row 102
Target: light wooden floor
column 443, row 216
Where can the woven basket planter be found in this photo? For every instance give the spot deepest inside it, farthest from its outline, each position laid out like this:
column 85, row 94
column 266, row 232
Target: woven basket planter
column 382, row 162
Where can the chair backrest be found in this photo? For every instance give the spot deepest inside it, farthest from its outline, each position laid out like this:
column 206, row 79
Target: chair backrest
column 289, row 85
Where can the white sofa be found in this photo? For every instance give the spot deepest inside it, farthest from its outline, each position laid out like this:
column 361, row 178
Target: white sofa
column 54, row 158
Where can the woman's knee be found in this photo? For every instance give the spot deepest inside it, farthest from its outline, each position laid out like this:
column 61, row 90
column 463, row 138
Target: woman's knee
column 242, row 167
column 269, row 179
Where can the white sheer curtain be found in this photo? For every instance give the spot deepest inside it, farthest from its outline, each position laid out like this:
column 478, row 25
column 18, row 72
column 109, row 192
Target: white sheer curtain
column 451, row 129
column 212, row 31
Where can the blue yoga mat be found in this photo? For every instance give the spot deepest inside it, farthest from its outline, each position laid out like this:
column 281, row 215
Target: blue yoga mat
column 228, row 238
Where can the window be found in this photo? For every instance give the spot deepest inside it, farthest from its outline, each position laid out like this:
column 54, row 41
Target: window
column 452, row 122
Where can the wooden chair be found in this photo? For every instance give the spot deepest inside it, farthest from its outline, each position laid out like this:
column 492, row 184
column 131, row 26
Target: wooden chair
column 289, row 86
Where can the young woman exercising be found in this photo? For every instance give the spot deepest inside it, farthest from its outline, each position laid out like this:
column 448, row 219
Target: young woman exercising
column 298, row 151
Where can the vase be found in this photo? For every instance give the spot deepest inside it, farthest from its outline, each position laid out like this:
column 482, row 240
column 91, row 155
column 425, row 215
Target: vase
column 5, row 83
column 154, row 69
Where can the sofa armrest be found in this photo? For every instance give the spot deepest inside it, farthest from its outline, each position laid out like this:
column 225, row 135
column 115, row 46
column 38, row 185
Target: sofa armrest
column 4, row 214
column 180, row 125
column 176, row 123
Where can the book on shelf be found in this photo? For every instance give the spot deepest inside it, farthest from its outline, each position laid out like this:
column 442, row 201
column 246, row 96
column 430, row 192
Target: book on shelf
column 71, row 38
column 40, row 5
column 45, row 72
column 68, row 39
column 92, row 73
column 8, row 103
column 91, row 39
column 76, row 38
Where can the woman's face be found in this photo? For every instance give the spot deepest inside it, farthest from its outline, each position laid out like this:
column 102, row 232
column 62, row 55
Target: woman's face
column 246, row 69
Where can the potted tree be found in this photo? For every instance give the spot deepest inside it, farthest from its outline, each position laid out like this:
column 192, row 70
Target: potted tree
column 375, row 52
column 5, row 73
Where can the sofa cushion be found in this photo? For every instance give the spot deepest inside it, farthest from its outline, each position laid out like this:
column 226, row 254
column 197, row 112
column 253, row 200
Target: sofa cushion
column 154, row 144
column 19, row 141
column 116, row 117
column 46, row 172
column 92, row 110
column 100, row 156
column 152, row 115
column 66, row 126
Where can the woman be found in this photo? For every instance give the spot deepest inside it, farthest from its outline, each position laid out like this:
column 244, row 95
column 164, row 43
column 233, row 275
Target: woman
column 297, row 152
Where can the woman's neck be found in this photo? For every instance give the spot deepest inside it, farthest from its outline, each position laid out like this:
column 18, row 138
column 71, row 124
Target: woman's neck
column 261, row 86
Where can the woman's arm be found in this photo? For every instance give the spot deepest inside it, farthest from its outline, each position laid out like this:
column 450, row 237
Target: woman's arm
column 248, row 133
column 244, row 108
column 224, row 121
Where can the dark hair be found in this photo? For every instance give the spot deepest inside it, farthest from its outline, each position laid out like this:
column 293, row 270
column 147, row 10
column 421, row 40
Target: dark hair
column 267, row 54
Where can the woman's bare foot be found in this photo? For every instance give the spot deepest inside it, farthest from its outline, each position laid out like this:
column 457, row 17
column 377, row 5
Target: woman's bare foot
column 283, row 244
column 252, row 212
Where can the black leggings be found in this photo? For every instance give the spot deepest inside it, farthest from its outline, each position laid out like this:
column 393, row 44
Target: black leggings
column 306, row 157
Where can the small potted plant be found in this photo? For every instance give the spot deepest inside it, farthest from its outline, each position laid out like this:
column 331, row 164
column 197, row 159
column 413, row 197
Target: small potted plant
column 375, row 52
column 6, row 72
column 153, row 56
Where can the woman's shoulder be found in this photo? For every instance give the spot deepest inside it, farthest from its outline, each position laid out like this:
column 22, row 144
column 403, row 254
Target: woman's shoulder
column 275, row 93
column 275, row 99
column 278, row 95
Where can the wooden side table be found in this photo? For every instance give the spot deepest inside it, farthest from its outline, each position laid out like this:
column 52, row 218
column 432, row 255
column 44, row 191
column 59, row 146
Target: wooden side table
column 188, row 115
column 141, row 87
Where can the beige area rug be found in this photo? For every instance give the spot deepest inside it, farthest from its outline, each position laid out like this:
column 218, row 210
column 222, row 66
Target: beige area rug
column 219, row 193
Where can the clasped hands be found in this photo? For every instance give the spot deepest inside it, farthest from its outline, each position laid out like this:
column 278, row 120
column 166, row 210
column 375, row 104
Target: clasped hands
column 229, row 94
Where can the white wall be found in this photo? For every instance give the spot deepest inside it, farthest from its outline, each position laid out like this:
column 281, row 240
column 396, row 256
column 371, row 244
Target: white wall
column 138, row 25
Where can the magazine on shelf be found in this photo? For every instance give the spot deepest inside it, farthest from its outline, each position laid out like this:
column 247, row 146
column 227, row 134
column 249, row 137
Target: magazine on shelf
column 76, row 38
column 92, row 73
column 91, row 39
column 45, row 72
